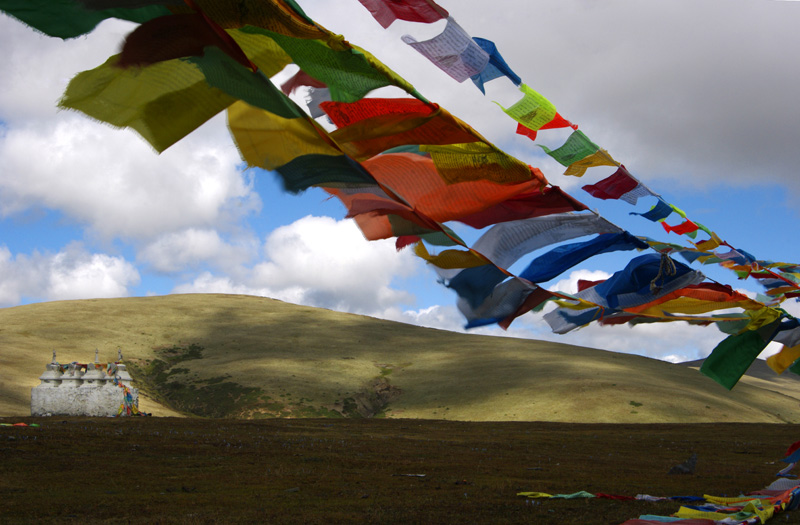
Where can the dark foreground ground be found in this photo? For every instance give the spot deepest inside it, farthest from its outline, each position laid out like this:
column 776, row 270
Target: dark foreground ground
column 165, row 470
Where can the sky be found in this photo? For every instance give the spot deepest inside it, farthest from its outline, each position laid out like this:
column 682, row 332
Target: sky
column 696, row 97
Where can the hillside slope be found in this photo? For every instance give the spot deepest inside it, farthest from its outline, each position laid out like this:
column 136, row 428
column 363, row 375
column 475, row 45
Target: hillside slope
column 242, row 356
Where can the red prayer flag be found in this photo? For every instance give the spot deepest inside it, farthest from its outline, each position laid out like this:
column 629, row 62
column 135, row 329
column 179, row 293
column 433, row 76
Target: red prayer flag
column 405, row 240
column 177, row 36
column 584, row 284
column 301, row 78
column 534, row 299
column 557, row 122
column 682, row 228
column 612, row 187
column 531, row 204
column 387, row 11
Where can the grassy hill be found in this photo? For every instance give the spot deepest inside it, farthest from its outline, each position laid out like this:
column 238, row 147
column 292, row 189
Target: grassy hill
column 252, row 357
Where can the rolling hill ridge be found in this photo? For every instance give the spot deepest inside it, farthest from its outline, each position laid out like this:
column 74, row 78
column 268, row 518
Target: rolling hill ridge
column 251, row 357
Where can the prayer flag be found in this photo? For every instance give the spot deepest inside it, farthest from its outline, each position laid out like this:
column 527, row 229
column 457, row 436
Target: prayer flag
column 557, row 122
column 532, row 111
column 177, row 36
column 577, row 147
column 376, row 125
column 505, row 243
column 477, row 161
column 562, row 258
column 267, row 140
column 301, row 78
column 163, row 102
column 68, row 18
column 733, row 356
column 453, row 51
column 496, row 67
column 599, row 158
column 621, row 185
column 387, row 11
column 657, row 213
column 686, row 227
column 347, row 70
column 548, row 201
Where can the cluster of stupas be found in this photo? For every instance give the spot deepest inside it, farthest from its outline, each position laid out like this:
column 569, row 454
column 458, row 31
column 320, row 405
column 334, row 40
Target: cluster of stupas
column 78, row 389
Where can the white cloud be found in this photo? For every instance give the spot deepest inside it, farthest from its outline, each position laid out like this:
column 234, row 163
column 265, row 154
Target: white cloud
column 192, row 248
column 114, row 183
column 319, row 261
column 107, row 179
column 72, row 273
column 570, row 284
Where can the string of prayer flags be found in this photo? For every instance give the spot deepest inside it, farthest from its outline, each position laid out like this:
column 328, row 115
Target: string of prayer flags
column 495, row 68
column 387, row 11
column 533, row 110
column 620, row 185
column 453, row 51
column 404, row 166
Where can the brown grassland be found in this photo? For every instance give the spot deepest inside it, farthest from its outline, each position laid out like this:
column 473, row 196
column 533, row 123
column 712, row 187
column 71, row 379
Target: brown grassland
column 266, row 412
column 189, row 470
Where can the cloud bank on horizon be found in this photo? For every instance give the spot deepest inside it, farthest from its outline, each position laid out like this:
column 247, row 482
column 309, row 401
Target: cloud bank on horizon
column 696, row 99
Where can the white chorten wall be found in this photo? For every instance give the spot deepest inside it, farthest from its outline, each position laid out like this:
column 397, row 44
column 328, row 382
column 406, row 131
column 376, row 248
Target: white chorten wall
column 96, row 389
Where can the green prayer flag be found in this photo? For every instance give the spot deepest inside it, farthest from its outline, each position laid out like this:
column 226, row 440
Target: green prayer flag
column 349, row 73
column 577, row 147
column 68, row 18
column 440, row 239
column 312, row 170
column 224, row 73
column 733, row 356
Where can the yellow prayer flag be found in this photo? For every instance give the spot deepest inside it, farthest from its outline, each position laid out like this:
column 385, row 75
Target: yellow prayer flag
column 784, row 359
column 163, row 102
column 450, row 259
column 269, row 141
column 476, row 161
column 599, row 158
column 710, row 244
column 263, row 51
column 694, row 306
column 761, row 317
column 532, row 111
